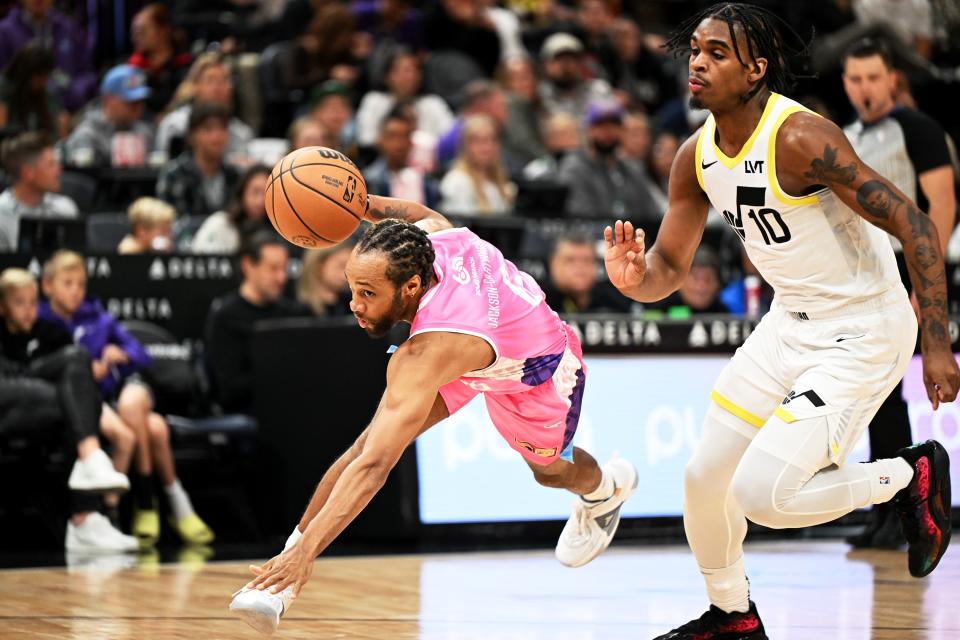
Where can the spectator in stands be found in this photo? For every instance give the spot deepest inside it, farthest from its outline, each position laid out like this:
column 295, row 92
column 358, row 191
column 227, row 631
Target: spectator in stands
column 158, row 52
column 573, row 286
column 601, row 184
column 642, row 76
column 307, row 132
column 561, row 134
column 207, row 82
column 518, row 77
column 662, row 152
column 394, row 21
column 151, row 227
column 635, row 144
column 30, row 162
column 564, row 86
column 117, row 357
column 594, row 20
column 464, row 26
column 700, row 291
column 263, row 261
column 224, row 231
column 480, row 97
column 477, row 184
column 391, row 174
column 75, row 81
column 326, row 50
column 332, row 109
column 322, row 285
column 26, row 101
column 46, row 382
column 199, row 181
column 114, row 134
column 402, row 82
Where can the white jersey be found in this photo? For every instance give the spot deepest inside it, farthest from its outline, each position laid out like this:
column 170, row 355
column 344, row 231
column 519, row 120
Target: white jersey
column 816, row 252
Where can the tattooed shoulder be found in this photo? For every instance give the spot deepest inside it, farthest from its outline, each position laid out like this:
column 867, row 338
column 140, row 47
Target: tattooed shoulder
column 826, row 169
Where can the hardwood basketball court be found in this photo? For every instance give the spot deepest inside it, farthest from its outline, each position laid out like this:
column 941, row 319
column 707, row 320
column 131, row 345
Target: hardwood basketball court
column 804, row 590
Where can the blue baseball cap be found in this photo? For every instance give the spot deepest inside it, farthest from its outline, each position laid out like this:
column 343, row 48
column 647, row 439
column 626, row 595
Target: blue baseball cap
column 126, row 82
column 604, row 110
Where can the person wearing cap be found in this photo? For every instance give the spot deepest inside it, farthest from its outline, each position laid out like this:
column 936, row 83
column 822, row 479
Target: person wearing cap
column 565, row 86
column 113, row 133
column 330, row 107
column 601, row 183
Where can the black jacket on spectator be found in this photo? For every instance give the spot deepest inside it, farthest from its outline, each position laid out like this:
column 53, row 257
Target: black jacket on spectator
column 229, row 331
column 17, row 350
column 602, row 190
column 603, row 298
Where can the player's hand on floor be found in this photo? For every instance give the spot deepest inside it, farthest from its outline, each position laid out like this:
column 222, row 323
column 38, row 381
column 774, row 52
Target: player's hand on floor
column 941, row 377
column 292, row 568
column 624, row 256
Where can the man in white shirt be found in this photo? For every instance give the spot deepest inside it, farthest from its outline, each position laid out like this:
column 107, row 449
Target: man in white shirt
column 32, row 165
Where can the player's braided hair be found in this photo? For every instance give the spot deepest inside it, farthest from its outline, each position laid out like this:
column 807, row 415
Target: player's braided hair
column 767, row 35
column 407, row 246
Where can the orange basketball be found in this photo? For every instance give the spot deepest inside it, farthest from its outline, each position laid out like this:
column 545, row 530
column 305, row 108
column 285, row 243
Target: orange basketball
column 316, row 197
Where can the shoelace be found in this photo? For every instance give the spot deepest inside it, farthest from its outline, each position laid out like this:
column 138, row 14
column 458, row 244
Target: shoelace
column 582, row 519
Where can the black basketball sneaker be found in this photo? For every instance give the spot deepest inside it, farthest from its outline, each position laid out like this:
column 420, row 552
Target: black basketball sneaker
column 717, row 624
column 924, row 506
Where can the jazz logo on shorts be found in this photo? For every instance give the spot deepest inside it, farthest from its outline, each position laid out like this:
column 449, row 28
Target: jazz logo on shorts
column 543, row 452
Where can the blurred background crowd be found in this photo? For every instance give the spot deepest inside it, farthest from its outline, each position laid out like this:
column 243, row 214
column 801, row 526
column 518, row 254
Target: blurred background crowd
column 130, row 127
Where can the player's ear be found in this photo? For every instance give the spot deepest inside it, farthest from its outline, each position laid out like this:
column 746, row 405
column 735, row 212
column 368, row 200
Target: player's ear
column 412, row 286
column 758, row 71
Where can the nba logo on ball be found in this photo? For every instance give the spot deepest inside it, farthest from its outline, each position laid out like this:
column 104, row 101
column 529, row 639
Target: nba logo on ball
column 316, row 197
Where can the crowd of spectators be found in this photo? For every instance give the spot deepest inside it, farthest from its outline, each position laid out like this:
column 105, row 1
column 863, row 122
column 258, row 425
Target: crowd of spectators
column 523, row 109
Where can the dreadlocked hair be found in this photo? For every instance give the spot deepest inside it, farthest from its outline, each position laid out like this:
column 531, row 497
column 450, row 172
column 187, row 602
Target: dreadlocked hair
column 767, row 35
column 407, row 246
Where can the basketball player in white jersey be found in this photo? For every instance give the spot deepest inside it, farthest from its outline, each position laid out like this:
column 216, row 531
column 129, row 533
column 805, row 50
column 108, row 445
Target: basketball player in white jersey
column 798, row 394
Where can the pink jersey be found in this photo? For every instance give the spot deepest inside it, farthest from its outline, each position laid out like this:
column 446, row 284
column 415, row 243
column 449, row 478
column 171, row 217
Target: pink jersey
column 481, row 293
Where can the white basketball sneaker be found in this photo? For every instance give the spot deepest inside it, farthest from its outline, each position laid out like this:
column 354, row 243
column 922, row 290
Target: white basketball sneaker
column 261, row 609
column 591, row 527
column 96, row 534
column 95, row 474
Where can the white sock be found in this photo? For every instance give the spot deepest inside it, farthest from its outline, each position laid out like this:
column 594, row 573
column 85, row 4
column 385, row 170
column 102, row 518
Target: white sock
column 603, row 491
column 292, row 540
column 728, row 588
column 179, row 500
column 887, row 477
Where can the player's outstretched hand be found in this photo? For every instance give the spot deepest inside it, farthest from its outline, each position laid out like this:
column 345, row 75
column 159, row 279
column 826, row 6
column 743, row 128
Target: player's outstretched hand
column 941, row 376
column 624, row 256
column 291, row 568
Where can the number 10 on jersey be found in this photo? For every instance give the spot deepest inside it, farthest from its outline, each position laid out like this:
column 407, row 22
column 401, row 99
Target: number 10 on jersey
column 769, row 221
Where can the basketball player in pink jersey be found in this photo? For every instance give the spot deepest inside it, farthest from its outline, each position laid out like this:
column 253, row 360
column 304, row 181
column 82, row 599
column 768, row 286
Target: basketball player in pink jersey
column 478, row 325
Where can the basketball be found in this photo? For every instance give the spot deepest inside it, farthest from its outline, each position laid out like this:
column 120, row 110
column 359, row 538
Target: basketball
column 316, row 197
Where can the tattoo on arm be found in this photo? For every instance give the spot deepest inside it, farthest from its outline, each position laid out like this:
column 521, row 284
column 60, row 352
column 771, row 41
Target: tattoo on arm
column 826, row 170
column 878, row 199
column 390, row 211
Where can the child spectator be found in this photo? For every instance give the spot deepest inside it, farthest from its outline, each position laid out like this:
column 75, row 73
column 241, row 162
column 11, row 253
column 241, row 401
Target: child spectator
column 151, row 225
column 117, row 357
column 44, row 381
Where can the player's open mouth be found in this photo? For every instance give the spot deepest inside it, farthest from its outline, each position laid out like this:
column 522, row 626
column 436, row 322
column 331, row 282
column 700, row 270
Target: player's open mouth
column 362, row 323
